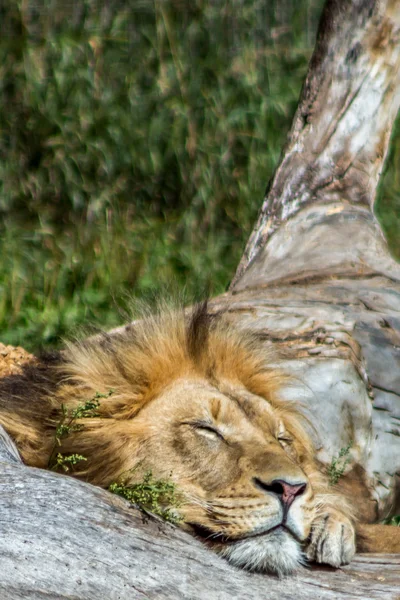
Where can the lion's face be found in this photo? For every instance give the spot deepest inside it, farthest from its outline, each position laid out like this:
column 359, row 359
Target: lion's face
column 239, row 467
column 188, row 396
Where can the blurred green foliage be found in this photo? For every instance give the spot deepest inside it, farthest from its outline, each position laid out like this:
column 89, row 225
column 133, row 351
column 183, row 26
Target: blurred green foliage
column 136, row 141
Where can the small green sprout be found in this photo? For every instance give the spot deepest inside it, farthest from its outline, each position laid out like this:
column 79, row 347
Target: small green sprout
column 158, row 496
column 65, row 462
column 339, row 464
column 89, row 408
column 67, row 425
column 393, row 521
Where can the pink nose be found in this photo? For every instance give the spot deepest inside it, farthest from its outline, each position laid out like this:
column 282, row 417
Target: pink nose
column 290, row 491
column 285, row 491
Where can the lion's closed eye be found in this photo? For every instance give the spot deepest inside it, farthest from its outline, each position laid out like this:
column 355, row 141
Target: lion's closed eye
column 206, row 430
column 285, row 439
column 282, row 435
column 287, row 444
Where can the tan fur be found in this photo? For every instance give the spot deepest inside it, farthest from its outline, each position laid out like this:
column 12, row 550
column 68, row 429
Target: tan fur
column 378, row 538
column 194, row 399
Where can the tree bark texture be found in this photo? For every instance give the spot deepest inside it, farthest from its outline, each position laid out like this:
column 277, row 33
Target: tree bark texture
column 336, row 147
column 316, row 276
column 61, row 538
column 317, row 281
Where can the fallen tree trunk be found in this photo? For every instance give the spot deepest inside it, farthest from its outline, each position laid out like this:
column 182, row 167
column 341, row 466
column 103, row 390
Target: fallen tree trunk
column 61, row 538
column 316, row 280
column 316, row 276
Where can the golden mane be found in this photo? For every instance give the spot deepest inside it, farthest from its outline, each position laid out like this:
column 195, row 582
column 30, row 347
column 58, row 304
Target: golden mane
column 135, row 365
column 144, row 358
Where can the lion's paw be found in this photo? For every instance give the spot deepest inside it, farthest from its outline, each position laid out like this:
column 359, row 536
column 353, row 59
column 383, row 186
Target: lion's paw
column 332, row 539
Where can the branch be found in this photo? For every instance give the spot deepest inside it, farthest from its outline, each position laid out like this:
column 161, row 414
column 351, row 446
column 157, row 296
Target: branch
column 61, row 538
column 340, row 134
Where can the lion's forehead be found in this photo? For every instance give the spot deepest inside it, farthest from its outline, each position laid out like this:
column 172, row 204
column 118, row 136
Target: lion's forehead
column 230, row 405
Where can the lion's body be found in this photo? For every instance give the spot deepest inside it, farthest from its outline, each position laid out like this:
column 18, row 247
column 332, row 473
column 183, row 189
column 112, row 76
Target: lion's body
column 191, row 399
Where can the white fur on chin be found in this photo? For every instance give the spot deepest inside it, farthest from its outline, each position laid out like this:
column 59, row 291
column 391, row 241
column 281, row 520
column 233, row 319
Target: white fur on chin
column 276, row 552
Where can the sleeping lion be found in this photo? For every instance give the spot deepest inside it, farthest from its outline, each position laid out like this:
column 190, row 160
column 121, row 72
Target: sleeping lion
column 189, row 397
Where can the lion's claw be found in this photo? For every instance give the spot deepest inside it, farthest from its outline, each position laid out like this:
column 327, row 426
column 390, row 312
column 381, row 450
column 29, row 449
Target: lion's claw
column 332, row 540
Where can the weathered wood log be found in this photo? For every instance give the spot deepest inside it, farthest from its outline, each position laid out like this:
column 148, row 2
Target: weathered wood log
column 316, row 275
column 334, row 154
column 61, row 538
column 316, row 280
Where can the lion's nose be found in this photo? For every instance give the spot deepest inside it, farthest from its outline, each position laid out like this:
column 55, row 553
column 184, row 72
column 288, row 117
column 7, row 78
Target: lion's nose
column 285, row 491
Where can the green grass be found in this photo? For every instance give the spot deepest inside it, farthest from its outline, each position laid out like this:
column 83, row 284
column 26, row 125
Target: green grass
column 158, row 496
column 135, row 146
column 393, row 521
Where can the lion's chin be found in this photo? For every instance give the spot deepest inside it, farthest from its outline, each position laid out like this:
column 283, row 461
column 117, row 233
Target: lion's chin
column 276, row 552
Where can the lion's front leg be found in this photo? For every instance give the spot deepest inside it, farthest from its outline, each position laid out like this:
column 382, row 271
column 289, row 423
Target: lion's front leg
column 332, row 538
